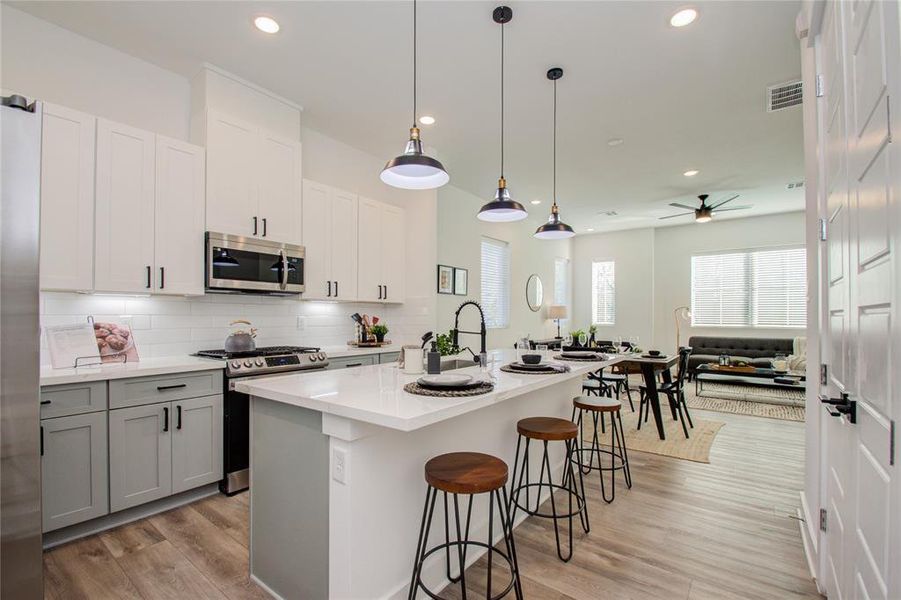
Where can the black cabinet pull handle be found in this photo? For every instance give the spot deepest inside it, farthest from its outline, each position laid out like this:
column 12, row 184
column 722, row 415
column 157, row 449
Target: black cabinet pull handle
column 44, row 402
column 353, row 365
column 380, row 292
column 329, row 289
column 149, row 282
column 264, row 226
column 254, row 225
column 42, row 440
column 336, row 289
column 162, row 277
column 163, row 388
column 178, row 426
column 165, row 419
column 386, row 292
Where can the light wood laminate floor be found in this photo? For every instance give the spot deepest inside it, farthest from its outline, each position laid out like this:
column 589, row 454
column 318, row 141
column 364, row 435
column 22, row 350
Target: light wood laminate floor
column 724, row 530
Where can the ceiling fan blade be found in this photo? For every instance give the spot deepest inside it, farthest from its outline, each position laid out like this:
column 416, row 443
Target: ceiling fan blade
column 677, row 205
column 719, row 210
column 679, row 215
column 724, row 201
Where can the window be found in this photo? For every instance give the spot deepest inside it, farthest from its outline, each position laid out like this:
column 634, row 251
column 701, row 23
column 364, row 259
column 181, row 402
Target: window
column 751, row 288
column 561, row 281
column 603, row 293
column 496, row 283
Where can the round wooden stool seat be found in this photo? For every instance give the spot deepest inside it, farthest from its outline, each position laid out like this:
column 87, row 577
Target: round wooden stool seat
column 547, row 428
column 466, row 473
column 597, row 404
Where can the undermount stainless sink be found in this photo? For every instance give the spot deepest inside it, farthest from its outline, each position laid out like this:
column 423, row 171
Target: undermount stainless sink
column 456, row 363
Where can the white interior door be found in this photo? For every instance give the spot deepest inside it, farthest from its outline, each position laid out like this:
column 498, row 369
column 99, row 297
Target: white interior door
column 179, row 217
column 124, row 208
column 860, row 62
column 278, row 189
column 343, row 242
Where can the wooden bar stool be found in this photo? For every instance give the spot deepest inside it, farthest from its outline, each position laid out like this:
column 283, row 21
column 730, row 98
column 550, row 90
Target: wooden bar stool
column 469, row 473
column 550, row 429
column 619, row 458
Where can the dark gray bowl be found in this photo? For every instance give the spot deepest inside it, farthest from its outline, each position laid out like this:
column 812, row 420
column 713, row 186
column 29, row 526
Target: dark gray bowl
column 654, row 352
column 531, row 359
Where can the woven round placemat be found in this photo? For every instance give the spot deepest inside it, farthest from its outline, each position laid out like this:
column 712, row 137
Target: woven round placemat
column 415, row 388
column 597, row 358
column 512, row 369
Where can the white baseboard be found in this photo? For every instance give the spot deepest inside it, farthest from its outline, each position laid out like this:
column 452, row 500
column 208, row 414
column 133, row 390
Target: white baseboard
column 809, row 536
column 265, row 587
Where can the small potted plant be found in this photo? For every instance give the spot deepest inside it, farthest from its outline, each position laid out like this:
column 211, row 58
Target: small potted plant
column 379, row 332
column 576, row 335
column 445, row 344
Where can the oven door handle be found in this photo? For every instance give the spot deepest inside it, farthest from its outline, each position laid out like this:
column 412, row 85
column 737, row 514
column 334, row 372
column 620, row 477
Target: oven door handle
column 284, row 274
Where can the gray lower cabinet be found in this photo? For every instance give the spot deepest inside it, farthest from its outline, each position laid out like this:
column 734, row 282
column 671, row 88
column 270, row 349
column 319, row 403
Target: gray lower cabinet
column 352, row 361
column 388, row 357
column 140, row 448
column 196, row 442
column 73, row 469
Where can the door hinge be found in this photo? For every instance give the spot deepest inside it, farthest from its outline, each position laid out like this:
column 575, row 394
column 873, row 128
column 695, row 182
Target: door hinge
column 891, row 444
column 822, row 230
column 824, row 378
column 822, row 519
column 820, row 85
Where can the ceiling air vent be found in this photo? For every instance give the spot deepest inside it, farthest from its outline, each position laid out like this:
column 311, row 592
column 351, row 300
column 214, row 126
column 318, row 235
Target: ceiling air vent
column 794, row 185
column 783, row 95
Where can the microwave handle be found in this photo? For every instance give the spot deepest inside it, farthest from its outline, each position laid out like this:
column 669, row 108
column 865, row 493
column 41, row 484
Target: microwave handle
column 284, row 272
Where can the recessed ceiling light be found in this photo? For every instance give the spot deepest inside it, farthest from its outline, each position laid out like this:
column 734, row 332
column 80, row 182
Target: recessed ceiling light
column 691, row 173
column 266, row 24
column 683, row 17
column 590, row 229
column 536, row 201
column 427, row 120
column 615, row 142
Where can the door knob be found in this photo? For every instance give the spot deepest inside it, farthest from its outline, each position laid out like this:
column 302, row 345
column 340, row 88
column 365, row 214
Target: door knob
column 838, row 407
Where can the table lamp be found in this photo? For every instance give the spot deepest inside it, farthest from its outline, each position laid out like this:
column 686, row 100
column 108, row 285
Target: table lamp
column 557, row 312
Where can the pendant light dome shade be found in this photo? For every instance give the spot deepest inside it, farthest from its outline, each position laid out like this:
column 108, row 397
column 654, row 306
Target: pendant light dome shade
column 223, row 259
column 413, row 170
column 555, row 229
column 503, row 209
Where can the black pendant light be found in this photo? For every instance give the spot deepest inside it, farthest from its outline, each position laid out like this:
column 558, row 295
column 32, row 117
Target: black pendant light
column 503, row 208
column 554, row 229
column 221, row 258
column 413, row 170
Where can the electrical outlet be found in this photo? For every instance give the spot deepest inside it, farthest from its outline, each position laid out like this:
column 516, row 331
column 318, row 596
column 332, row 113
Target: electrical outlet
column 301, row 323
column 339, row 465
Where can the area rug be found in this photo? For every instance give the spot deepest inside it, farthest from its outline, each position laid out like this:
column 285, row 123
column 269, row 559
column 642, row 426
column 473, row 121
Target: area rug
column 696, row 448
column 744, row 407
column 731, row 391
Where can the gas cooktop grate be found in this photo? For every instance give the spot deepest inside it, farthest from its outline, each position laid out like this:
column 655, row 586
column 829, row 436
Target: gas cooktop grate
column 263, row 351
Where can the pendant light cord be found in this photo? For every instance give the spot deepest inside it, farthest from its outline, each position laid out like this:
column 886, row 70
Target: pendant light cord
column 414, row 63
column 555, row 143
column 502, row 100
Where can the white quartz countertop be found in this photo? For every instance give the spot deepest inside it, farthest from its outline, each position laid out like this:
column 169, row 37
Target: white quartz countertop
column 142, row 368
column 374, row 394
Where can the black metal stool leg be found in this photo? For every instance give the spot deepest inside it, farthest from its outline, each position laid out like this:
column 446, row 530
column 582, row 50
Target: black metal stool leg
column 428, row 509
column 510, row 542
column 622, row 448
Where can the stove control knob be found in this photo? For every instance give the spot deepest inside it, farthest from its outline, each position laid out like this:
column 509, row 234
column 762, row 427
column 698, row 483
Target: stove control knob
column 248, row 363
column 236, row 364
column 258, row 362
column 314, row 357
column 321, row 355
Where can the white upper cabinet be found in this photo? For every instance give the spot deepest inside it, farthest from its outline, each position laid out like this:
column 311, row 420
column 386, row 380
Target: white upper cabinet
column 253, row 181
column 179, row 217
column 382, row 252
column 67, row 199
column 124, row 235
column 231, row 205
column 330, row 239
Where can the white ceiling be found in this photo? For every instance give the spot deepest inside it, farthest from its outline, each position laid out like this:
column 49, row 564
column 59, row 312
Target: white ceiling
column 689, row 98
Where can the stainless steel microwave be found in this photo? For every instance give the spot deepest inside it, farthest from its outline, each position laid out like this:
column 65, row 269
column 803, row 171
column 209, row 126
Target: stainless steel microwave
column 242, row 264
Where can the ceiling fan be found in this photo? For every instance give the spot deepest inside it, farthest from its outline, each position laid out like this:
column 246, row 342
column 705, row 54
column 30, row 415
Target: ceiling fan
column 705, row 212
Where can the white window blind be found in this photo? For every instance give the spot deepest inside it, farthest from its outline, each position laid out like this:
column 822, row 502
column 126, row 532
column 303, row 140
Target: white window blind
column 496, row 283
column 561, row 281
column 603, row 293
column 754, row 288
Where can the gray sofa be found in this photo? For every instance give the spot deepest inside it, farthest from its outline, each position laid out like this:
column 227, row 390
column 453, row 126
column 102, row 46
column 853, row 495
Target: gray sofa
column 757, row 352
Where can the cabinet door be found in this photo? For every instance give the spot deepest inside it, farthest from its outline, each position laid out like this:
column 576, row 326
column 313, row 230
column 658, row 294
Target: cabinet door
column 140, row 448
column 179, row 223
column 369, row 252
column 343, row 249
column 278, row 189
column 394, row 255
column 124, row 208
column 73, row 469
column 196, row 442
column 67, row 199
column 231, row 203
column 317, row 217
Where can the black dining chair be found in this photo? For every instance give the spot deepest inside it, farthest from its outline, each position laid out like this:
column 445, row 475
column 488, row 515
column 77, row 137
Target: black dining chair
column 674, row 391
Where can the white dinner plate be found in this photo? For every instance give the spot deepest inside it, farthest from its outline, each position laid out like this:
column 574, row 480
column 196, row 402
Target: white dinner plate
column 446, row 380
column 577, row 354
column 542, row 366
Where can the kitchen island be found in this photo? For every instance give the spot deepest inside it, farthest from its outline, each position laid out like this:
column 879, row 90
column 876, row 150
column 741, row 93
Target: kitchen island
column 337, row 463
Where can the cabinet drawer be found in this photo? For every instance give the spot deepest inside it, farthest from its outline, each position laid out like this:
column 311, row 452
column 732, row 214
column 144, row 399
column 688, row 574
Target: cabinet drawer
column 73, row 399
column 149, row 390
column 352, row 361
column 388, row 357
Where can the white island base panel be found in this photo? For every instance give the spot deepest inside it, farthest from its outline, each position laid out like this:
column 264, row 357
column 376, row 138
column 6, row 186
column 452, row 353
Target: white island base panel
column 336, row 504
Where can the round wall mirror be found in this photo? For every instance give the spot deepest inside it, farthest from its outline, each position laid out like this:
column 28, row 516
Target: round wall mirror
column 534, row 293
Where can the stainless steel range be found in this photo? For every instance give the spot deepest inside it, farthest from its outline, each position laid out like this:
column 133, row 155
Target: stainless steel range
column 262, row 362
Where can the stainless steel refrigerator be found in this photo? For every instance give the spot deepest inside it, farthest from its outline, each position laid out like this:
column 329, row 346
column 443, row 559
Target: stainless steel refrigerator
column 20, row 459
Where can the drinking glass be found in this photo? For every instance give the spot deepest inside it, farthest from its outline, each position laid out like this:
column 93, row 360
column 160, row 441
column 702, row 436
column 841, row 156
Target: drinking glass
column 542, row 349
column 567, row 340
column 633, row 339
column 583, row 340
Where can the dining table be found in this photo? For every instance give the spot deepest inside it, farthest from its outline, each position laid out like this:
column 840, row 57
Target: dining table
column 649, row 366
